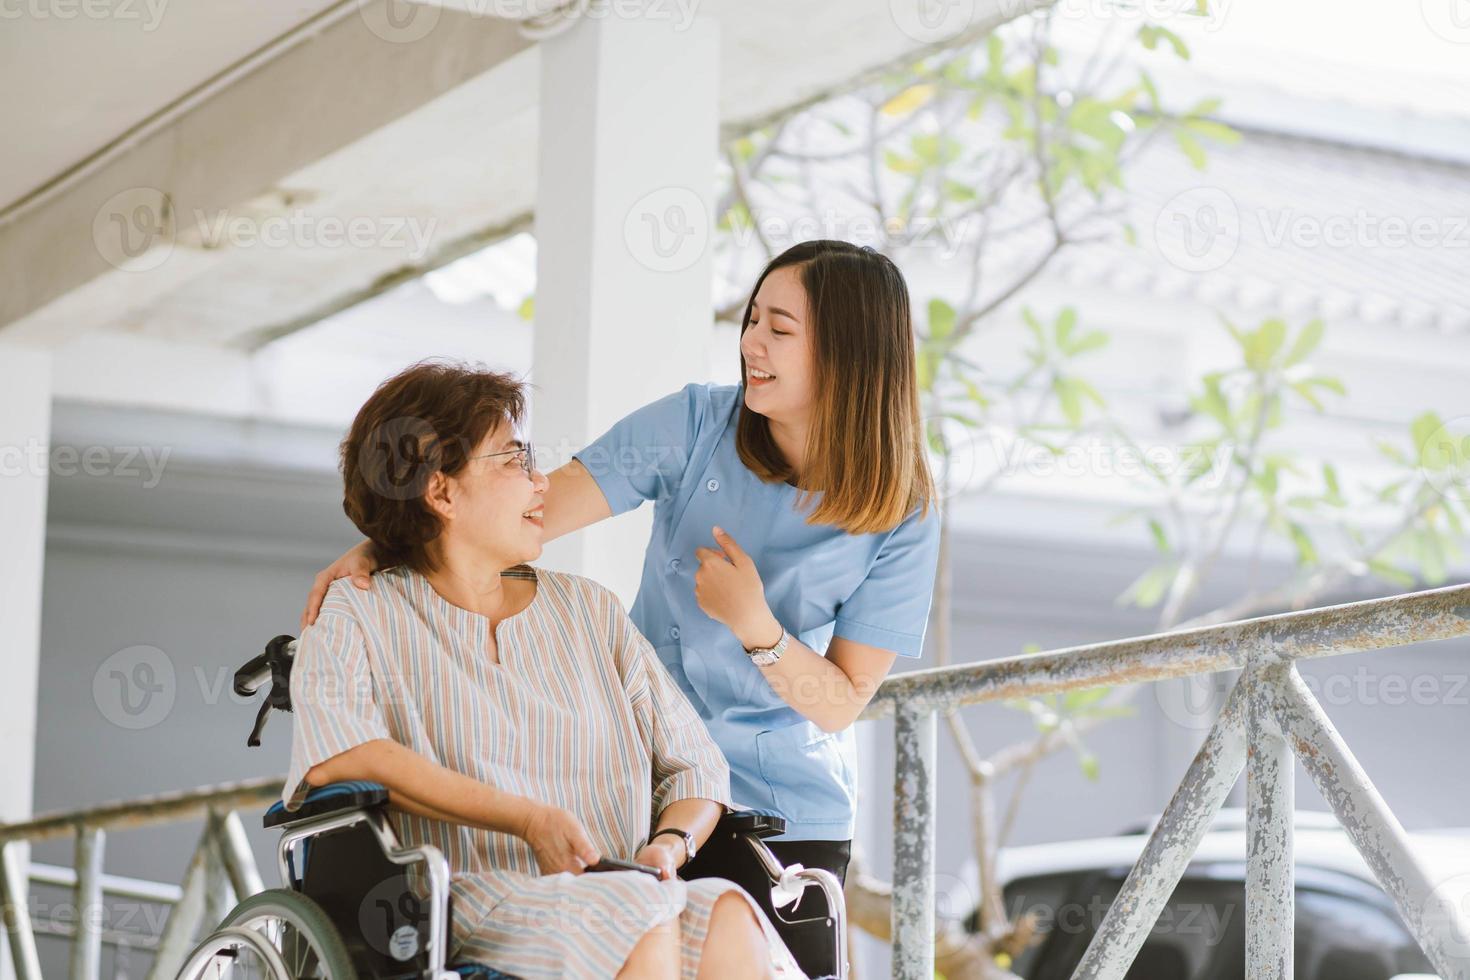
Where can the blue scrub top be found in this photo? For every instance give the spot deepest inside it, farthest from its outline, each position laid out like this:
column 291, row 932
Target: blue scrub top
column 819, row 581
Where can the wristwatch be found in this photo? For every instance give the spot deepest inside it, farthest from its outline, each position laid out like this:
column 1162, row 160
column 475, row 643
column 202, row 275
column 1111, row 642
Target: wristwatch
column 765, row 656
column 688, row 841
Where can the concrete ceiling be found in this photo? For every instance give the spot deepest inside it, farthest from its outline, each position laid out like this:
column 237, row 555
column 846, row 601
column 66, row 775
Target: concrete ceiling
column 314, row 115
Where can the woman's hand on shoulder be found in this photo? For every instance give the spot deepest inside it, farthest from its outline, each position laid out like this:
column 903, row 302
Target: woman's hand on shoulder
column 559, row 840
column 358, row 563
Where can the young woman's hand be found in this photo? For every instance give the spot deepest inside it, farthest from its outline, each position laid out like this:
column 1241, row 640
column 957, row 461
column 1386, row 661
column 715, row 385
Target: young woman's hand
column 559, row 841
column 729, row 590
column 358, row 563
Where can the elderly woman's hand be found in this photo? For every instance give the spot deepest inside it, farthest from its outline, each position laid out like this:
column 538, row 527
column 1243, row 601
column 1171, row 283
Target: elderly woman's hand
column 559, row 841
column 662, row 854
column 729, row 590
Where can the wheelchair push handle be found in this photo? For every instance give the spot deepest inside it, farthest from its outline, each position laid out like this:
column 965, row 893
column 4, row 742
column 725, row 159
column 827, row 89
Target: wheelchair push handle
column 273, row 665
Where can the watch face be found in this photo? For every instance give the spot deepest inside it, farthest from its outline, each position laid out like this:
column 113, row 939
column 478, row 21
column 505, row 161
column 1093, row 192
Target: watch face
column 765, row 658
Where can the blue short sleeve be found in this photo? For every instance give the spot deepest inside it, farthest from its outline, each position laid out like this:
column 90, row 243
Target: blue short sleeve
column 644, row 456
column 890, row 608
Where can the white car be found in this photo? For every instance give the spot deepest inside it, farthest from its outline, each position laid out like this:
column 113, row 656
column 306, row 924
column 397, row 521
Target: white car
column 1346, row 927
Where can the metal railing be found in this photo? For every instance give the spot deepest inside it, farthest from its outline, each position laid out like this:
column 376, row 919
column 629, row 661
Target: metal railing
column 1269, row 716
column 221, row 870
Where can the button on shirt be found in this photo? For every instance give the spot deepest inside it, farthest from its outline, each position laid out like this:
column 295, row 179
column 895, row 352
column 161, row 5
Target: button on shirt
column 819, row 580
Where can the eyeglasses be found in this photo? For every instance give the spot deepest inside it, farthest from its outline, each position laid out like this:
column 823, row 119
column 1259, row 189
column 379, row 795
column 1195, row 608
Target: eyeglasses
column 526, row 453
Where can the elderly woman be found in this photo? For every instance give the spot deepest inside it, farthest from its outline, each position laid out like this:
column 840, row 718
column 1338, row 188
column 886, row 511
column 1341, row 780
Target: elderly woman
column 520, row 722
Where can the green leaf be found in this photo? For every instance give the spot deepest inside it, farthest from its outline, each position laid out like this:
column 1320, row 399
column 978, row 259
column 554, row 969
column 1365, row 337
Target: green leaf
column 1209, row 129
column 1306, row 551
column 1161, row 538
column 1151, row 34
column 527, row 310
column 1146, row 590
column 1307, row 340
column 1427, row 432
column 1092, row 340
column 900, row 164
column 1089, row 765
column 1305, row 390
column 1390, row 573
column 941, row 319
column 1333, row 496
column 1066, row 322
column 1191, row 148
column 908, row 101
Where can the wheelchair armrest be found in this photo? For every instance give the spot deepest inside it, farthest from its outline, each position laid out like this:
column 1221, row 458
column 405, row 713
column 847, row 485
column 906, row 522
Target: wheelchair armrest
column 352, row 794
column 759, row 823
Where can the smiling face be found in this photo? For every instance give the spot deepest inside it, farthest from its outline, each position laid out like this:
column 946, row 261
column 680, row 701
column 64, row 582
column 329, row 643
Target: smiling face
column 491, row 506
column 776, row 347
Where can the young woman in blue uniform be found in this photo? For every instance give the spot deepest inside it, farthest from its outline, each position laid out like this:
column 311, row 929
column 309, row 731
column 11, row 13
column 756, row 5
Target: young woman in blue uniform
column 794, row 545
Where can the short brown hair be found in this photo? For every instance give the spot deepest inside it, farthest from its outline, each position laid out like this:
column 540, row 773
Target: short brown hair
column 424, row 420
column 865, row 453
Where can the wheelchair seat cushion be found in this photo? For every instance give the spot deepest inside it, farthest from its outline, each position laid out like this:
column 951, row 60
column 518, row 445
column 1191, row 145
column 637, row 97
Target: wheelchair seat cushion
column 354, row 794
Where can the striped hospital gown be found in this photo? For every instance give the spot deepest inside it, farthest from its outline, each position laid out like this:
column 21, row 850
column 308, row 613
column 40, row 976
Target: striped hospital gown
column 578, row 712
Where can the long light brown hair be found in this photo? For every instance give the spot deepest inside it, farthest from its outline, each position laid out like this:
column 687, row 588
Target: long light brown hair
column 865, row 451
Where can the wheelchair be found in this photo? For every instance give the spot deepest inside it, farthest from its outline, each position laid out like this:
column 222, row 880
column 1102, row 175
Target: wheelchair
column 357, row 905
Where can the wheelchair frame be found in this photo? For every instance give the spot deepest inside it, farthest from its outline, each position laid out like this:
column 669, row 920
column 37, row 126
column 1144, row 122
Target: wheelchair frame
column 435, row 864
column 274, row 665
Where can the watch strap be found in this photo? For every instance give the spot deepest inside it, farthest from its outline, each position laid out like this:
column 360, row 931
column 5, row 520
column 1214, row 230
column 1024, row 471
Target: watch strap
column 687, row 837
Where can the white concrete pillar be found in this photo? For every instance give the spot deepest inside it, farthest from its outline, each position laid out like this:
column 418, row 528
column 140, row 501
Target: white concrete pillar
column 628, row 137
column 25, row 439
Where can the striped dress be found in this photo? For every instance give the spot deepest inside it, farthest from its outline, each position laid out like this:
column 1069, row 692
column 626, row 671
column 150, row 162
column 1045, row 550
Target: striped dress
column 577, row 712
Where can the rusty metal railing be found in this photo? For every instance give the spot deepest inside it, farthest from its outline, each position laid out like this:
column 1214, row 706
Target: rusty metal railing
column 1269, row 716
column 221, row 871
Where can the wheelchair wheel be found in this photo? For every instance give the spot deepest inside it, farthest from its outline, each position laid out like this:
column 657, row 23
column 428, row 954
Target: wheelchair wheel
column 278, row 934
